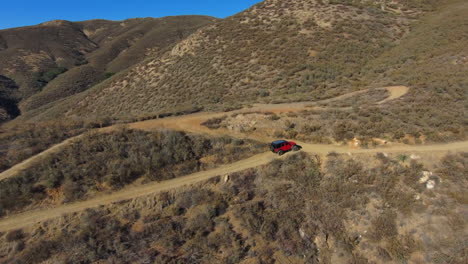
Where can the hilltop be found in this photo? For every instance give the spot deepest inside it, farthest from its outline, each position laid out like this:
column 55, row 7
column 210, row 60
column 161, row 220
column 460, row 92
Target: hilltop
column 59, row 58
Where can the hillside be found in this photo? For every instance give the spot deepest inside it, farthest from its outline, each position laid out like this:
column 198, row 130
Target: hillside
column 276, row 50
column 124, row 157
column 56, row 59
column 335, row 209
column 431, row 60
column 299, row 51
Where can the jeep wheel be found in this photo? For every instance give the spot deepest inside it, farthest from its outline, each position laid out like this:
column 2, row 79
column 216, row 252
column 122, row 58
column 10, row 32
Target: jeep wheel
column 280, row 153
column 296, row 148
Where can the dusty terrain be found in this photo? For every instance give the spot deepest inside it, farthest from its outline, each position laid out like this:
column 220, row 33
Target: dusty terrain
column 192, row 124
column 382, row 176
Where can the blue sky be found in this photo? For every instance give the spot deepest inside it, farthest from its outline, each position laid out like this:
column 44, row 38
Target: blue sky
column 17, row 13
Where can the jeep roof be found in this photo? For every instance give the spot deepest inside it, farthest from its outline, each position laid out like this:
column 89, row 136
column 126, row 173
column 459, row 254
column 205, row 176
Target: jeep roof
column 278, row 142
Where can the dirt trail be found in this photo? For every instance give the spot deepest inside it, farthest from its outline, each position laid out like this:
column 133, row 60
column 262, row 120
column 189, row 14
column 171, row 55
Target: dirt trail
column 31, row 217
column 192, row 123
column 32, row 160
column 395, row 93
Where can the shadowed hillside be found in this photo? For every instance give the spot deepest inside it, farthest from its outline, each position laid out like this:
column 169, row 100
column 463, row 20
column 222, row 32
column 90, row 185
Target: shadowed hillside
column 8, row 99
column 56, row 59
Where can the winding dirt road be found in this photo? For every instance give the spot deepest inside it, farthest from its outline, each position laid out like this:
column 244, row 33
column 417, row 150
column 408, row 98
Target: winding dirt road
column 192, row 123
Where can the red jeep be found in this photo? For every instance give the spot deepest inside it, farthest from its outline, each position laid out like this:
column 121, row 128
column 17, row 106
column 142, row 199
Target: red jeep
column 283, row 146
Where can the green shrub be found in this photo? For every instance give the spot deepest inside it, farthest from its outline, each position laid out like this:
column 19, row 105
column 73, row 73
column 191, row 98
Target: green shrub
column 42, row 78
column 107, row 75
column 14, row 235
